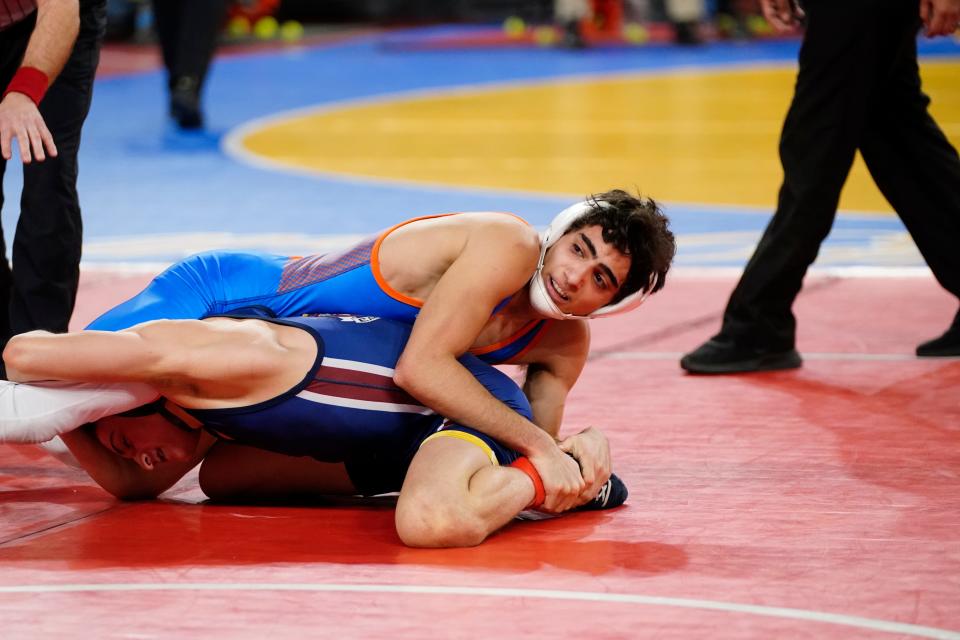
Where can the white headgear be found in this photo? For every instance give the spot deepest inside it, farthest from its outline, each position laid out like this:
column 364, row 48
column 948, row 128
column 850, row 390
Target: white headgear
column 540, row 298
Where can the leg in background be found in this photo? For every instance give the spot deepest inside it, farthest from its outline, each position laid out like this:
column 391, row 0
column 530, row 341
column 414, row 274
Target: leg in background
column 917, row 169
column 844, row 57
column 47, row 245
column 188, row 32
column 232, row 472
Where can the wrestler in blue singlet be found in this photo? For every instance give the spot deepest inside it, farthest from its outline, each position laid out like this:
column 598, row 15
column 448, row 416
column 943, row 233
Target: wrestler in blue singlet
column 219, row 282
column 347, row 408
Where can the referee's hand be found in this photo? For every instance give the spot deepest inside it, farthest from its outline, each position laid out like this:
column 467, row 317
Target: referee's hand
column 20, row 118
column 783, row 15
column 940, row 17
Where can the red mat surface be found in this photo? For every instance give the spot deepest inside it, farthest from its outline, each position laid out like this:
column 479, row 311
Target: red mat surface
column 817, row 503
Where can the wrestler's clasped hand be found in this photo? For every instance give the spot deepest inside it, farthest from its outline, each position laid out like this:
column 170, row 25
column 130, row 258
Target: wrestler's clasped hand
column 591, row 449
column 562, row 482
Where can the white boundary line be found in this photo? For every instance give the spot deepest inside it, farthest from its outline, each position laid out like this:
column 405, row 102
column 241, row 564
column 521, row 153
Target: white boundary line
column 885, row 626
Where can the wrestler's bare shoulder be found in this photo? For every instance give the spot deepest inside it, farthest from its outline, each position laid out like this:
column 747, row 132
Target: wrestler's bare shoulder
column 416, row 255
column 447, row 235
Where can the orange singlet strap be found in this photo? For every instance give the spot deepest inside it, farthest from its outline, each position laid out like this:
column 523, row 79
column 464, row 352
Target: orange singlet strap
column 375, row 257
column 479, row 351
column 533, row 342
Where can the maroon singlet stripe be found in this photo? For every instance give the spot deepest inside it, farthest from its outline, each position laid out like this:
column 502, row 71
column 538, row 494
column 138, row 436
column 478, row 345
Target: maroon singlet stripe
column 353, row 392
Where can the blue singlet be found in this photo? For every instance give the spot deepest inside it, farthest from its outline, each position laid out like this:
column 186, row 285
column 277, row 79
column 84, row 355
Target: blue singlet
column 221, row 282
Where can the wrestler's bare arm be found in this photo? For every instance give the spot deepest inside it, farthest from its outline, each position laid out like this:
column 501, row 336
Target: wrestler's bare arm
column 122, row 477
column 553, row 367
column 195, row 363
column 495, row 261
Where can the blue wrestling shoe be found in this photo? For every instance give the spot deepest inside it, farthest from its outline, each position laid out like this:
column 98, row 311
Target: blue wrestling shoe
column 612, row 494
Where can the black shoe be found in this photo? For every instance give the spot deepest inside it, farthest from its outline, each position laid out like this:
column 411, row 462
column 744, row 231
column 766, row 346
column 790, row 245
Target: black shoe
column 943, row 347
column 612, row 494
column 185, row 103
column 722, row 355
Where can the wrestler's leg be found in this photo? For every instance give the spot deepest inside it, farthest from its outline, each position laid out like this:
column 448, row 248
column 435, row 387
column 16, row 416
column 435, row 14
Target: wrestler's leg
column 198, row 286
column 233, row 472
column 455, row 496
column 191, row 288
column 177, row 293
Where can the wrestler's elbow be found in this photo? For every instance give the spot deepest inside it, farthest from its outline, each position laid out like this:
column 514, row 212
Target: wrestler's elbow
column 417, row 371
column 408, row 373
column 19, row 355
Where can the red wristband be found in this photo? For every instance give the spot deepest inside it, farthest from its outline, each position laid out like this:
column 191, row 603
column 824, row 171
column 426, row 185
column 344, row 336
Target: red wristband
column 539, row 495
column 29, row 81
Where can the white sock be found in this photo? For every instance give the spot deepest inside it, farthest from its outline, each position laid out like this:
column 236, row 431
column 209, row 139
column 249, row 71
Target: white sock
column 39, row 411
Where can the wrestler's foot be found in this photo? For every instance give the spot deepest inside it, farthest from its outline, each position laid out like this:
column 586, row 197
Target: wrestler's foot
column 612, row 494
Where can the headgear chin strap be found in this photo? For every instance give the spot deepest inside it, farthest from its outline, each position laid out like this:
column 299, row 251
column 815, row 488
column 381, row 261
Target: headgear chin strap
column 539, row 297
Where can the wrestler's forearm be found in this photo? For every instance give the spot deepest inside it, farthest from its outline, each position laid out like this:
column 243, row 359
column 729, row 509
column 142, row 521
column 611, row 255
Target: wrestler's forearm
column 447, row 387
column 450, row 389
column 114, row 474
column 87, row 356
column 547, row 395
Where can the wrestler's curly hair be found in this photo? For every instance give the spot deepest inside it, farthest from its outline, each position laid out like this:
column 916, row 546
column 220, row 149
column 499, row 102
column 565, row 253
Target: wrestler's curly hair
column 637, row 227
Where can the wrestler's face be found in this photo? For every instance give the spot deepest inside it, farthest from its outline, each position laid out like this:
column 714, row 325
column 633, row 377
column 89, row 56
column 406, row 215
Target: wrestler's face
column 582, row 273
column 149, row 440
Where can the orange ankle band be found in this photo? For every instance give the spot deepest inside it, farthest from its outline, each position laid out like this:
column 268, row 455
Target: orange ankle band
column 524, row 464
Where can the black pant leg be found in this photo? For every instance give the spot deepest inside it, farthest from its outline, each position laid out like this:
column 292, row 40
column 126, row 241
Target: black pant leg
column 201, row 23
column 166, row 22
column 6, row 276
column 47, row 245
column 13, row 43
column 188, row 31
column 840, row 64
column 913, row 163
